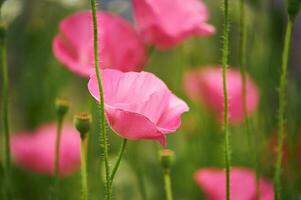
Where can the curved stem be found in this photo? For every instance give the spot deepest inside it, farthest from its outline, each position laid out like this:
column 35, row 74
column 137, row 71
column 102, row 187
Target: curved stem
column 84, row 168
column 101, row 104
column 243, row 74
column 226, row 106
column 120, row 154
column 282, row 105
column 167, row 185
column 4, row 112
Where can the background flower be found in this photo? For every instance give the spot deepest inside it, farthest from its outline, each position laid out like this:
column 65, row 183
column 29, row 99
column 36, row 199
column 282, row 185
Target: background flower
column 36, row 151
column 206, row 85
column 169, row 22
column 120, row 46
column 243, row 184
column 139, row 105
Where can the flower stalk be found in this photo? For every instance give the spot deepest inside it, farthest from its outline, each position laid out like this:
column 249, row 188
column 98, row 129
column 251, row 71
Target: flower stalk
column 225, row 55
column 83, row 161
column 166, row 158
column 61, row 107
column 119, row 157
column 104, row 144
column 82, row 122
column 293, row 9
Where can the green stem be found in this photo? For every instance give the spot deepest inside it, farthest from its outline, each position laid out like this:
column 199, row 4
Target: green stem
column 282, row 105
column 167, row 185
column 55, row 181
column 4, row 113
column 120, row 154
column 226, row 106
column 84, row 168
column 243, row 73
column 57, row 147
column 108, row 195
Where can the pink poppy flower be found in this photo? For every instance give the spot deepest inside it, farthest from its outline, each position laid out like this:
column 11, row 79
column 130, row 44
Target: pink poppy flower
column 120, row 46
column 206, row 85
column 35, row 151
column 242, row 186
column 168, row 23
column 138, row 105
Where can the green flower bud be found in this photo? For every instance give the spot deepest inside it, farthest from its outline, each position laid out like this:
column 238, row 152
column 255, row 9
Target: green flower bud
column 62, row 106
column 82, row 122
column 166, row 158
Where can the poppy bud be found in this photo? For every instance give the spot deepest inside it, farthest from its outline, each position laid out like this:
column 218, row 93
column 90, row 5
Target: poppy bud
column 62, row 106
column 166, row 158
column 82, row 122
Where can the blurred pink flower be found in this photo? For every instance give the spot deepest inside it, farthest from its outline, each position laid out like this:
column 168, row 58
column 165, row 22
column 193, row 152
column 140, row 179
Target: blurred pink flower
column 120, row 46
column 242, row 186
column 206, row 85
column 167, row 23
column 35, row 151
column 139, row 105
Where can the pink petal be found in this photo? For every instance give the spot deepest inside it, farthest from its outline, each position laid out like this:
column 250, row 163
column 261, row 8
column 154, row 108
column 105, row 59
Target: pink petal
column 133, row 126
column 138, row 105
column 171, row 118
column 169, row 22
column 119, row 44
column 117, row 86
column 36, row 151
column 243, row 184
column 206, row 85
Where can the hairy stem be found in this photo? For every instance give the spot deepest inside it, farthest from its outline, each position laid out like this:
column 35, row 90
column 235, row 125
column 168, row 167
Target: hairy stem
column 282, row 105
column 104, row 144
column 226, row 106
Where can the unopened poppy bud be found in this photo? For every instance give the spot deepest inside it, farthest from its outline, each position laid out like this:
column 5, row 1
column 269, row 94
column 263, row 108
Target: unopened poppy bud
column 293, row 8
column 82, row 122
column 166, row 158
column 62, row 106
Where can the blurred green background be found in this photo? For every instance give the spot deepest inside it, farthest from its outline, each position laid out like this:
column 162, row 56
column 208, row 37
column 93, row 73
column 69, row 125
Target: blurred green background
column 36, row 79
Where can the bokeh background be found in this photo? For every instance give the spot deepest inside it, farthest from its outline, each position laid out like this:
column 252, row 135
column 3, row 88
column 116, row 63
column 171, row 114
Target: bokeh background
column 36, row 79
